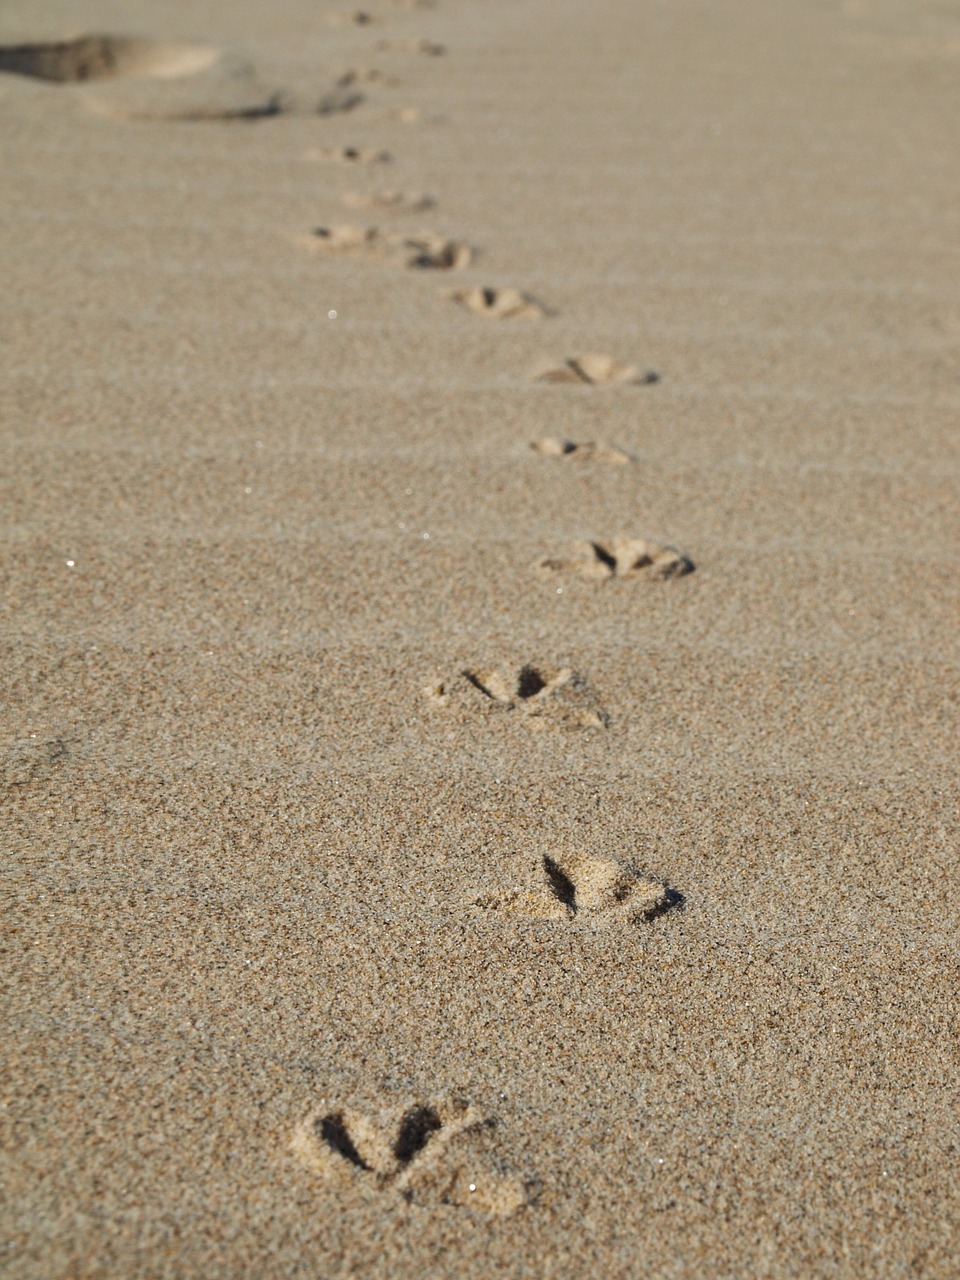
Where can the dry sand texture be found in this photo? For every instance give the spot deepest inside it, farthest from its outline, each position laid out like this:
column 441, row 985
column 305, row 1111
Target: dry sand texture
column 473, row 807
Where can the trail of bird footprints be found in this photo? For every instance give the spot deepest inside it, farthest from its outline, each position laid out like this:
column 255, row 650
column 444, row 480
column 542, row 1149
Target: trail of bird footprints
column 441, row 1152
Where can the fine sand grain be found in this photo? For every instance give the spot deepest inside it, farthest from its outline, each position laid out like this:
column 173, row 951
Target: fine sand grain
column 480, row 797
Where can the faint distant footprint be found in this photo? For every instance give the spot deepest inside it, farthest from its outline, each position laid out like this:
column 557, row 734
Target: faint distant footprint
column 390, row 201
column 588, row 451
column 31, row 760
column 500, row 304
column 432, row 1153
column 561, row 698
column 358, row 18
column 622, row 558
column 424, row 250
column 103, row 57
column 428, row 47
column 586, row 888
column 349, row 155
column 368, row 75
column 593, row 370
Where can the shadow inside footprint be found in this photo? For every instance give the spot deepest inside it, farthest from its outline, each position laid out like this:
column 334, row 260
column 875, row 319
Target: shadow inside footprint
column 415, row 1130
column 335, row 1134
column 561, row 886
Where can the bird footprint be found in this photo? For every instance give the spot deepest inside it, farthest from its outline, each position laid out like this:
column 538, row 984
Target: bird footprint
column 591, row 889
column 622, row 558
column 436, row 1153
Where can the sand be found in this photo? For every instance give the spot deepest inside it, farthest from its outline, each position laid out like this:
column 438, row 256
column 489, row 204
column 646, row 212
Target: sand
column 480, row 684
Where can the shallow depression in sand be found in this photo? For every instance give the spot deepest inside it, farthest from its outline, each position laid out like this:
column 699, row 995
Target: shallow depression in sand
column 105, row 57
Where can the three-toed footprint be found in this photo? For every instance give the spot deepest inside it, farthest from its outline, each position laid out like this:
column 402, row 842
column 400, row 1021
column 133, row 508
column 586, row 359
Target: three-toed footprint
column 439, row 1152
column 559, row 697
column 620, row 558
column 587, row 451
column 349, row 155
column 591, row 889
column 424, row 250
column 500, row 304
column 389, row 201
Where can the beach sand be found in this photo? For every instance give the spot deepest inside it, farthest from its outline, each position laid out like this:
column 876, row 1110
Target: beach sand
column 480, row 663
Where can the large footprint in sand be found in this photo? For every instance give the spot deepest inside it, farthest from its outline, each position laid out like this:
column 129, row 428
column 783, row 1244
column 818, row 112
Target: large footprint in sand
column 595, row 890
column 540, row 696
column 104, row 58
column 584, row 451
column 433, row 1153
column 128, row 78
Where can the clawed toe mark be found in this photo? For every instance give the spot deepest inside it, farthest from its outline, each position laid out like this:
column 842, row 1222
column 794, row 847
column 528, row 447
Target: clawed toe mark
column 561, row 886
column 415, row 1130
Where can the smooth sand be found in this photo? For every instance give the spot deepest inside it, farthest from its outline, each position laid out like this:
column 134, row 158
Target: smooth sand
column 292, row 961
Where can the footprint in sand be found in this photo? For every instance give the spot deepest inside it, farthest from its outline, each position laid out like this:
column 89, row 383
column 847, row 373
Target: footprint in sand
column 588, row 451
column 621, row 558
column 31, row 760
column 500, row 304
column 359, row 18
column 390, row 201
column 425, row 251
column 543, row 697
column 589, row 889
column 431, row 1153
column 368, row 75
column 147, row 80
column 349, row 155
column 594, row 371
column 428, row 48
column 105, row 57
column 338, row 100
